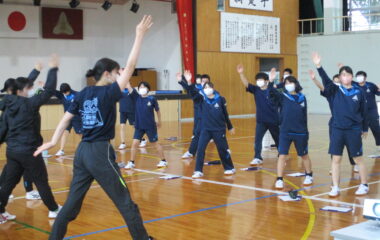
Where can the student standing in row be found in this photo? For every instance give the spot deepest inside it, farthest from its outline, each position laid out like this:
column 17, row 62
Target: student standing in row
column 349, row 123
column 200, row 80
column 145, row 122
column 293, row 126
column 213, row 126
column 23, row 125
column 371, row 91
column 330, row 101
column 66, row 95
column 127, row 109
column 266, row 112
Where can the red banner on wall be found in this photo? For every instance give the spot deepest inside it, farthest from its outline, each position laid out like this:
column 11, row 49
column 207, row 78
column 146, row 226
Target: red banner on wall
column 185, row 20
column 62, row 23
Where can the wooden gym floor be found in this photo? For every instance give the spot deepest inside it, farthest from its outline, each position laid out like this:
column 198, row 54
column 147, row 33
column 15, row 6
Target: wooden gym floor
column 241, row 207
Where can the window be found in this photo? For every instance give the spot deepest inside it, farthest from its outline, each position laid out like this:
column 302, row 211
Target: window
column 363, row 15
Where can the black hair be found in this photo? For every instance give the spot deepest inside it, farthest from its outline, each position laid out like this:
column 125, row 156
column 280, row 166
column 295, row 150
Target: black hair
column 198, row 76
column 294, row 80
column 20, row 84
column 9, row 84
column 147, row 85
column 206, row 76
column 65, row 87
column 347, row 69
column 335, row 76
column 289, row 70
column 210, row 84
column 102, row 65
column 262, row 75
column 362, row 73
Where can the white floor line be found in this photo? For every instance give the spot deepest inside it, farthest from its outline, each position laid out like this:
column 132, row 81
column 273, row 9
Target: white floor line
column 344, row 189
column 250, row 188
column 92, row 187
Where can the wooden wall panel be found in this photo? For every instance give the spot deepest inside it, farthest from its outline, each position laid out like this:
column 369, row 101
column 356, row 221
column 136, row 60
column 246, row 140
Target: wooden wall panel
column 221, row 66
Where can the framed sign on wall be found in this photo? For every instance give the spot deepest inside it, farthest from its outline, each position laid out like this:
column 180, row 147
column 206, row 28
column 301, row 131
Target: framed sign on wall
column 249, row 33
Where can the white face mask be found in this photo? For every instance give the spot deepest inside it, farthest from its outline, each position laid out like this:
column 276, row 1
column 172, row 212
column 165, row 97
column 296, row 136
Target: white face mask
column 285, row 76
column 143, row 91
column 260, row 83
column 31, row 93
column 360, row 79
column 208, row 91
column 290, row 87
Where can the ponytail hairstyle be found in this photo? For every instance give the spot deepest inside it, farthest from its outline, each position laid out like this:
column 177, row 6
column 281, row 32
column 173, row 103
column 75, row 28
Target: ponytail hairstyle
column 101, row 66
column 20, row 83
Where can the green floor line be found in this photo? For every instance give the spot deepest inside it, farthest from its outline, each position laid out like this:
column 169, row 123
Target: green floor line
column 32, row 227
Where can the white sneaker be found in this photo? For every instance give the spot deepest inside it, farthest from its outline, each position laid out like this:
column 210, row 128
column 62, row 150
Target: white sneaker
column 308, row 180
column 11, row 196
column 256, row 161
column 335, row 191
column 142, row 143
column 197, row 174
column 60, row 153
column 279, row 184
column 356, row 168
column 162, row 164
column 122, row 146
column 230, row 172
column 362, row 190
column 54, row 214
column 33, row 195
column 8, row 216
column 187, row 155
column 130, row 165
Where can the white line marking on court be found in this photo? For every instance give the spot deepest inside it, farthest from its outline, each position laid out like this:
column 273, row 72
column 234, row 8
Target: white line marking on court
column 344, row 189
column 251, row 188
column 92, row 187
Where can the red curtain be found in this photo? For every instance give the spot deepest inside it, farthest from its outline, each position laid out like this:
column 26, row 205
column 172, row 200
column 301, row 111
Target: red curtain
column 185, row 21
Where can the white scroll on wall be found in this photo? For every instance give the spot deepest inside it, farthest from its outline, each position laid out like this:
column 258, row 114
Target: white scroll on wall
column 264, row 5
column 249, row 33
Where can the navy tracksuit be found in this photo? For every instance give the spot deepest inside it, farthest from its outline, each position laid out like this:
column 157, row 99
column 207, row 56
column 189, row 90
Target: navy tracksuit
column 293, row 121
column 330, row 101
column 349, row 117
column 266, row 118
column 197, row 118
column 214, row 118
column 371, row 91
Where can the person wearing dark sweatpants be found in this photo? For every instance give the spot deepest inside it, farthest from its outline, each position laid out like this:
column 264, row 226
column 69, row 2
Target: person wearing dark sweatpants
column 95, row 156
column 371, row 91
column 266, row 112
column 23, row 124
column 213, row 124
column 197, row 114
column 8, row 88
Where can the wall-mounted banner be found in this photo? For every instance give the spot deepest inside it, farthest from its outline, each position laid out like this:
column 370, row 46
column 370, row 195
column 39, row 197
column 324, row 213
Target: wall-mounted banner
column 249, row 33
column 263, row 5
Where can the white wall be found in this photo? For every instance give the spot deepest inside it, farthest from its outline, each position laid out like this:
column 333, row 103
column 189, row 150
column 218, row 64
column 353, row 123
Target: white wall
column 360, row 51
column 106, row 34
column 162, row 49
